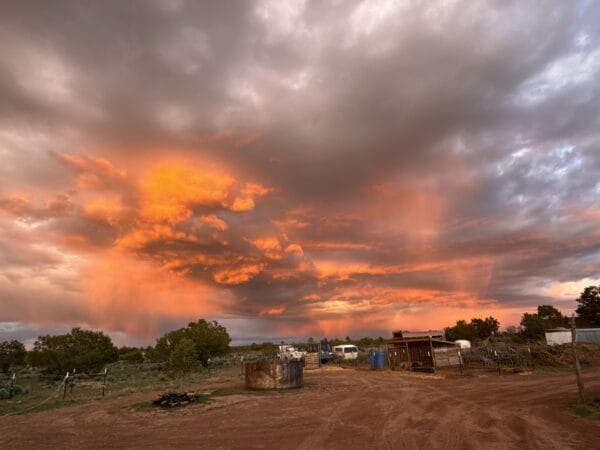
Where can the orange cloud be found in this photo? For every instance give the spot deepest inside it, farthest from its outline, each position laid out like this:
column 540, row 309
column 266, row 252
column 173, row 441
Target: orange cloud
column 270, row 246
column 254, row 189
column 171, row 192
column 138, row 238
column 93, row 172
column 294, row 249
column 19, row 206
column 101, row 209
column 238, row 274
column 214, row 222
column 242, row 204
column 272, row 311
column 125, row 293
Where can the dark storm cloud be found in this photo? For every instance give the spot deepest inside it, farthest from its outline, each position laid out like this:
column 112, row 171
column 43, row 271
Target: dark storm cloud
column 409, row 150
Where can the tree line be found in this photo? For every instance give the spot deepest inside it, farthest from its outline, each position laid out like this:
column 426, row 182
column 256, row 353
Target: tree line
column 89, row 351
column 532, row 325
column 193, row 346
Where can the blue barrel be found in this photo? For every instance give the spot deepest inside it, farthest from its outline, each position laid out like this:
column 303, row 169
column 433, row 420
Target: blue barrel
column 380, row 360
column 373, row 360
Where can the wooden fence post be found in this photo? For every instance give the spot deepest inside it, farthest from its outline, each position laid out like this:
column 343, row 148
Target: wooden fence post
column 497, row 360
column 580, row 385
column 12, row 384
column 65, row 381
column 73, row 380
column 104, row 380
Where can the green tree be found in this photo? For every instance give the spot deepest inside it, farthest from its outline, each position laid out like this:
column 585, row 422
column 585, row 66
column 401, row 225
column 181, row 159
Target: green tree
column 336, row 341
column 547, row 317
column 477, row 329
column 184, row 357
column 462, row 330
column 533, row 326
column 486, row 327
column 132, row 355
column 12, row 353
column 84, row 350
column 588, row 310
column 210, row 339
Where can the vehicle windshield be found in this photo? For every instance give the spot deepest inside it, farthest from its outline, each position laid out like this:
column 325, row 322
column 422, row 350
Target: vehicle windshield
column 350, row 350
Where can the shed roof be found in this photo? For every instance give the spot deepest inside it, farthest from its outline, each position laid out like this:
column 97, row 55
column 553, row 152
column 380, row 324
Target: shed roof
column 416, row 341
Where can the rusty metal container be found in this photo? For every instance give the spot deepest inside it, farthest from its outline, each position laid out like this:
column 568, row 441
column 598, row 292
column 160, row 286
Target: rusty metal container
column 274, row 374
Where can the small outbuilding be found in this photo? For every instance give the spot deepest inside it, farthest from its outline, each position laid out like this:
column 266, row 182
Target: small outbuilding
column 559, row 336
column 421, row 350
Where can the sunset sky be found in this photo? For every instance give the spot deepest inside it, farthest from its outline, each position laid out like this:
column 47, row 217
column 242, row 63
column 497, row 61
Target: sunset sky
column 324, row 168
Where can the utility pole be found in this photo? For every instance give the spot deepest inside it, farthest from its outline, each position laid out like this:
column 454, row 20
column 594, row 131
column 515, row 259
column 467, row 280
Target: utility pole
column 580, row 386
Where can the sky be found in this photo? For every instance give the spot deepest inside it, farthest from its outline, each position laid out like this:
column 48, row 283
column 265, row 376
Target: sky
column 327, row 168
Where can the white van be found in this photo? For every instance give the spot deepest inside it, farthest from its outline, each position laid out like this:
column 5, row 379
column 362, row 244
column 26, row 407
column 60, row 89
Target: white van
column 345, row 351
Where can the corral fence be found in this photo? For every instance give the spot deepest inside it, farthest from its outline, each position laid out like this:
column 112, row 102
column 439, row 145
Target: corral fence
column 7, row 385
column 489, row 358
column 73, row 378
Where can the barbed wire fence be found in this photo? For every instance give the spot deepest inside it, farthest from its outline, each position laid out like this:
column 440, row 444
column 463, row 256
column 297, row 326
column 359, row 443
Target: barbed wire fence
column 66, row 385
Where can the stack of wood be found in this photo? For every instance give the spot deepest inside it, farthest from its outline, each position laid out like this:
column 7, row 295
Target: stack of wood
column 174, row 399
column 312, row 361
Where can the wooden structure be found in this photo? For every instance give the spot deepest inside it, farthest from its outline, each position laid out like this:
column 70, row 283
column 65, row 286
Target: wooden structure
column 312, row 359
column 423, row 353
column 274, row 374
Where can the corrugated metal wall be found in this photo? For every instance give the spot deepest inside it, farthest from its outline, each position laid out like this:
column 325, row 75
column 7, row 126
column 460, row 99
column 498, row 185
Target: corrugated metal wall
column 588, row 335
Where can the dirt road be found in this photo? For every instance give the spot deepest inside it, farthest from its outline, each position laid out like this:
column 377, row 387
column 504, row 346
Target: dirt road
column 343, row 408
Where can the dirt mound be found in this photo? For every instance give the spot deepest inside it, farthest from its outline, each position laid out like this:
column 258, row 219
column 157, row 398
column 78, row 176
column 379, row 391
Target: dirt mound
column 562, row 355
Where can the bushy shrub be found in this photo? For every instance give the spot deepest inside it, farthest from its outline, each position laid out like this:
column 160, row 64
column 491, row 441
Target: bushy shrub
column 12, row 353
column 184, row 357
column 210, row 339
column 83, row 350
column 16, row 390
column 133, row 356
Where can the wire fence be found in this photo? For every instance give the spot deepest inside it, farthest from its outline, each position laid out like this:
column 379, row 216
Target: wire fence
column 489, row 358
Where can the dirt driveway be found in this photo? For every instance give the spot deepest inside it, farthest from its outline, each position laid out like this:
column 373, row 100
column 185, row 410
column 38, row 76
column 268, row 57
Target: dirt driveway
column 339, row 408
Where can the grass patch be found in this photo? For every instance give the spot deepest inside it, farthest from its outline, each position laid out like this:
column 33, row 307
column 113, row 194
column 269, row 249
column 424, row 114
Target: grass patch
column 123, row 379
column 590, row 409
column 144, row 406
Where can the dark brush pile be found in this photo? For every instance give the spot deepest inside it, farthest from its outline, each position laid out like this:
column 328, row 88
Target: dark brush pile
column 171, row 399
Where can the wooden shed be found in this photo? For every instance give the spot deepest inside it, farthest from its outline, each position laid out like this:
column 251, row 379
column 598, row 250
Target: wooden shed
column 424, row 353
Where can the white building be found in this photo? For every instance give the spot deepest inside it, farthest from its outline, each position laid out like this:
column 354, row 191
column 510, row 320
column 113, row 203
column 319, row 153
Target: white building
column 559, row 336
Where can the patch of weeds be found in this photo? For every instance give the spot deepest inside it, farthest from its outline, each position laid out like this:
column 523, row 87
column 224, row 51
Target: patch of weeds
column 202, row 398
column 144, row 406
column 590, row 409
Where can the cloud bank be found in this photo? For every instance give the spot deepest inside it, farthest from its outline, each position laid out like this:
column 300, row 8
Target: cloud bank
column 295, row 168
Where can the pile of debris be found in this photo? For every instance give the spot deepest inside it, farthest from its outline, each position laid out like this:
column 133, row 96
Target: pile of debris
column 171, row 399
column 562, row 355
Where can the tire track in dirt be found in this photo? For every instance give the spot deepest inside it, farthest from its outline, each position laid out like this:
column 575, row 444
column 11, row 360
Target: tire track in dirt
column 317, row 438
column 338, row 409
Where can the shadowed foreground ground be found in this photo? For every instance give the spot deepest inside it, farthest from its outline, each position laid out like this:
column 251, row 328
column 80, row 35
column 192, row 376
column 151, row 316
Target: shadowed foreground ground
column 339, row 408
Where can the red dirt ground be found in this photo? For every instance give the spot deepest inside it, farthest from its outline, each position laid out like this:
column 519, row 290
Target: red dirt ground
column 339, row 408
